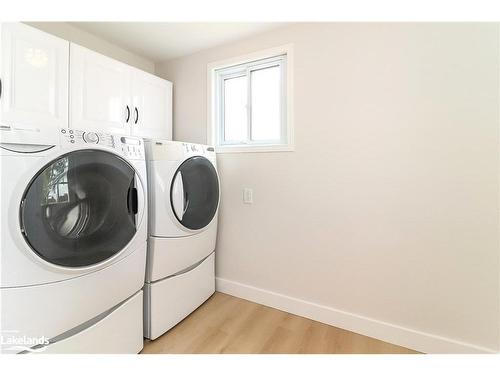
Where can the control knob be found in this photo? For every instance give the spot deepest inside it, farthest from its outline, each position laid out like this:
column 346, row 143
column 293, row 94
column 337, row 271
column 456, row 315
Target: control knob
column 91, row 137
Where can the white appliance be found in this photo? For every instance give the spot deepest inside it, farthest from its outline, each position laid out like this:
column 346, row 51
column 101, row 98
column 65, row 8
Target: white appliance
column 183, row 204
column 73, row 242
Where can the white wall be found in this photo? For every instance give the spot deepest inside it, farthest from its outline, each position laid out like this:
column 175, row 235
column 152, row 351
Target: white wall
column 388, row 208
column 95, row 43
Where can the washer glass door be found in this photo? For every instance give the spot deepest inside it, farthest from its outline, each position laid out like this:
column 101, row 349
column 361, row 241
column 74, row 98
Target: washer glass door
column 80, row 209
column 194, row 193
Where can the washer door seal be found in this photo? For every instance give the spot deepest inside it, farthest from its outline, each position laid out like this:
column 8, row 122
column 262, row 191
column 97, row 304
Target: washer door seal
column 78, row 210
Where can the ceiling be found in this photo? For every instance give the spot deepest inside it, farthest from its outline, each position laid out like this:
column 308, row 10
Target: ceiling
column 159, row 41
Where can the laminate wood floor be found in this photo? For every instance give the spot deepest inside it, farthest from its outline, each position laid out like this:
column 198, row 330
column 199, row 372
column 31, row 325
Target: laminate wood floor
column 226, row 324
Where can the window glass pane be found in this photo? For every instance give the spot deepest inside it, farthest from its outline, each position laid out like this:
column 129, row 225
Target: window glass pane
column 235, row 109
column 266, row 106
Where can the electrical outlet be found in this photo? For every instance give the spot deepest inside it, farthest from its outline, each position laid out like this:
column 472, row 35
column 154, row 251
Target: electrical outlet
column 247, row 195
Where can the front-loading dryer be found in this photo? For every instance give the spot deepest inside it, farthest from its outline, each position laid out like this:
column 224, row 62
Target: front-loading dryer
column 73, row 243
column 184, row 196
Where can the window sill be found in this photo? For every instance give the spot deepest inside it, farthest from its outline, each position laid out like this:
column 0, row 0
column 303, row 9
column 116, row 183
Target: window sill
column 226, row 149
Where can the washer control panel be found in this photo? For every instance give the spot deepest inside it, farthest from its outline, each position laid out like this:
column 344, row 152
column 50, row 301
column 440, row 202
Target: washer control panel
column 80, row 136
column 130, row 147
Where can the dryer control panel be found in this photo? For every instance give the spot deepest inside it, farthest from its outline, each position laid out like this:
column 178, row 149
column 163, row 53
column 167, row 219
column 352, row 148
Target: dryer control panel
column 194, row 148
column 173, row 150
column 129, row 147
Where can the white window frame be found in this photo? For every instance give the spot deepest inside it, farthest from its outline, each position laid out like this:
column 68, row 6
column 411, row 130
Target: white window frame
column 240, row 66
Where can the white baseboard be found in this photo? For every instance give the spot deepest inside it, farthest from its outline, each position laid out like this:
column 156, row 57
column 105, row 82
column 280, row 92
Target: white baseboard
column 402, row 336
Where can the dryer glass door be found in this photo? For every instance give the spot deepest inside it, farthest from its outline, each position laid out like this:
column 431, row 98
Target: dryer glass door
column 80, row 209
column 194, row 193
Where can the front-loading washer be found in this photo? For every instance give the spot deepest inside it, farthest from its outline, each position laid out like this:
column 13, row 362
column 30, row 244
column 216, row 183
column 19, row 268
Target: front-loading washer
column 184, row 196
column 73, row 242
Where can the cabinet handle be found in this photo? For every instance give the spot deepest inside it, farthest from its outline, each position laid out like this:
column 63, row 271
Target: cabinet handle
column 136, row 115
column 128, row 114
column 0, row 87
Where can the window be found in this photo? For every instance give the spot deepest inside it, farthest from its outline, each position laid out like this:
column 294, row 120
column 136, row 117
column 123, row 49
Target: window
column 251, row 104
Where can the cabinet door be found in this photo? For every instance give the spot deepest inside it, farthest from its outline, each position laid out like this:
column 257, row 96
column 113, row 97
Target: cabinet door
column 34, row 80
column 99, row 92
column 152, row 109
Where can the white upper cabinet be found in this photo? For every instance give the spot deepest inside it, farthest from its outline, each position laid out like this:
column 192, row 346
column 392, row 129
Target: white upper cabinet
column 100, row 92
column 152, row 106
column 107, row 95
column 34, row 81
